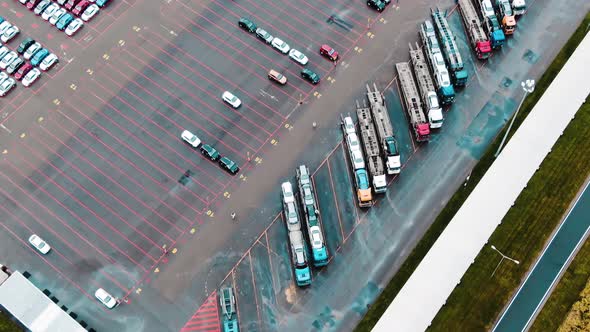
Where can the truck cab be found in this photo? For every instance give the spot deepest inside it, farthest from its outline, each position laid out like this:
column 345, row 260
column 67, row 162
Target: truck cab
column 507, row 16
column 422, row 132
column 299, row 257
column 519, row 7
column 364, row 195
column 435, row 114
column 394, row 164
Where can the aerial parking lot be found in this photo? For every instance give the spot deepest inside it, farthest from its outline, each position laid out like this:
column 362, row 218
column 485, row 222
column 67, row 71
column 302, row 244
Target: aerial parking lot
column 95, row 162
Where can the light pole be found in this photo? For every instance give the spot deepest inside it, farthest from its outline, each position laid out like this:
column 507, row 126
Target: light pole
column 528, row 86
column 501, row 260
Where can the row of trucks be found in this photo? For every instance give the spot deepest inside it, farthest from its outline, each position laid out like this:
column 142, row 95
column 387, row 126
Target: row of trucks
column 379, row 155
column 303, row 201
column 487, row 22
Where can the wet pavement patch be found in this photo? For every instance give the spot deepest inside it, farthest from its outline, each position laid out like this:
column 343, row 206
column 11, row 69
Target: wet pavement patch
column 185, row 178
column 506, row 83
column 334, row 19
column 530, row 56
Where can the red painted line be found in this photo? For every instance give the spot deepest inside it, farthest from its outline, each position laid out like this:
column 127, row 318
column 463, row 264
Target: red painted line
column 131, row 149
column 280, row 11
column 335, row 200
column 254, row 287
column 272, row 279
column 47, row 161
column 203, row 322
column 73, row 248
column 98, row 217
column 48, row 263
column 113, row 261
column 141, row 142
column 263, row 117
column 231, row 58
column 232, row 34
column 327, row 157
column 160, row 141
column 145, row 190
column 197, row 98
column 189, row 120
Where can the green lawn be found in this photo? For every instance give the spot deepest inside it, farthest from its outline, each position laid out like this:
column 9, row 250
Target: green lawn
column 565, row 294
column 6, row 325
column 469, row 308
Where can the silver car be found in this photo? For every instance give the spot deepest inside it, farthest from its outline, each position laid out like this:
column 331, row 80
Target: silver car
column 14, row 65
column 9, row 33
column 49, row 11
column 7, row 59
column 39, row 244
column 57, row 15
column 32, row 50
column 31, row 77
column 6, row 86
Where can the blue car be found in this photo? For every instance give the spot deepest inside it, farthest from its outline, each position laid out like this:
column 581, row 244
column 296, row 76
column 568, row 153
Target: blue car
column 102, row 3
column 39, row 56
column 2, row 19
column 64, row 21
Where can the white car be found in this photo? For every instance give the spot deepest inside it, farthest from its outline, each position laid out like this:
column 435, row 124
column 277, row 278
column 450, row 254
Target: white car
column 3, row 77
column 229, row 98
column 57, row 15
column 353, row 142
column 349, row 125
column 31, row 77
column 190, row 138
column 298, row 57
column 287, row 190
column 41, row 6
column 7, row 59
column 3, row 51
column 357, row 159
column 105, row 298
column 49, row 11
column 90, row 12
column 39, row 244
column 62, row 2
column 280, row 45
column 48, row 62
column 74, row 26
column 4, row 26
column 6, row 86
column 23, row 1
column 31, row 50
column 9, row 33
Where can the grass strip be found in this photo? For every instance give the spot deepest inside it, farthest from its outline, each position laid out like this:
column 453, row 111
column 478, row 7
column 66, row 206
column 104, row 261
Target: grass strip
column 7, row 325
column 487, row 315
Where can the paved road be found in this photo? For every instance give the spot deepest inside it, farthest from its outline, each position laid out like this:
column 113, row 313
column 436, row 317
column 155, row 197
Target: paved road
column 537, row 286
column 93, row 156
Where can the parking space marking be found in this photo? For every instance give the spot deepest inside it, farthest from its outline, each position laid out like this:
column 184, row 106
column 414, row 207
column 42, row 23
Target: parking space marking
column 254, row 287
column 272, row 279
column 206, row 318
column 335, row 199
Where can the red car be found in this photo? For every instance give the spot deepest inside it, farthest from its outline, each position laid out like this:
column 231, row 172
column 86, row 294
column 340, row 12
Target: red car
column 31, row 4
column 22, row 71
column 71, row 4
column 329, row 52
column 81, row 7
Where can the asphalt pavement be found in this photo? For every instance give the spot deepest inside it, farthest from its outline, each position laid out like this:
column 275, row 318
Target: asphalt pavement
column 93, row 162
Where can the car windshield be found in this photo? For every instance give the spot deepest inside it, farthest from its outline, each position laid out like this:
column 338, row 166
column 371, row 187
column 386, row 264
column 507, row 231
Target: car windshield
column 331, row 51
column 107, row 299
column 41, row 245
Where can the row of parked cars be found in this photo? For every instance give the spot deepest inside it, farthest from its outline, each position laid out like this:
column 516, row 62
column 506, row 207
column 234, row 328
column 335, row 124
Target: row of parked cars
column 280, row 45
column 210, row 152
column 80, row 11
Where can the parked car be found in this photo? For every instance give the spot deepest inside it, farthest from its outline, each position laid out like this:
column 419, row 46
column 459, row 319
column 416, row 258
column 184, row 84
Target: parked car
column 105, row 298
column 329, row 52
column 70, row 4
column 277, row 77
column 64, row 21
column 299, row 57
column 280, row 45
column 231, row 99
column 10, row 33
column 81, row 7
column 247, row 25
column 39, row 56
column 90, row 12
column 102, row 3
column 22, row 71
column 39, row 244
column 4, row 26
column 262, row 34
column 7, row 59
column 48, row 62
column 3, row 51
column 41, row 7
column 24, row 45
column 229, row 165
column 49, row 11
column 7, row 85
column 210, row 152
column 190, row 138
column 349, row 125
column 31, row 4
column 61, row 2
column 31, row 77
column 310, row 76
column 31, row 50
column 15, row 65
column 74, row 26
column 57, row 16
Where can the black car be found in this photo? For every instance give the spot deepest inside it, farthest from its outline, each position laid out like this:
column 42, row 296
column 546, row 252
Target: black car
column 210, row 152
column 310, row 76
column 24, row 45
column 229, row 165
column 247, row 25
column 378, row 5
